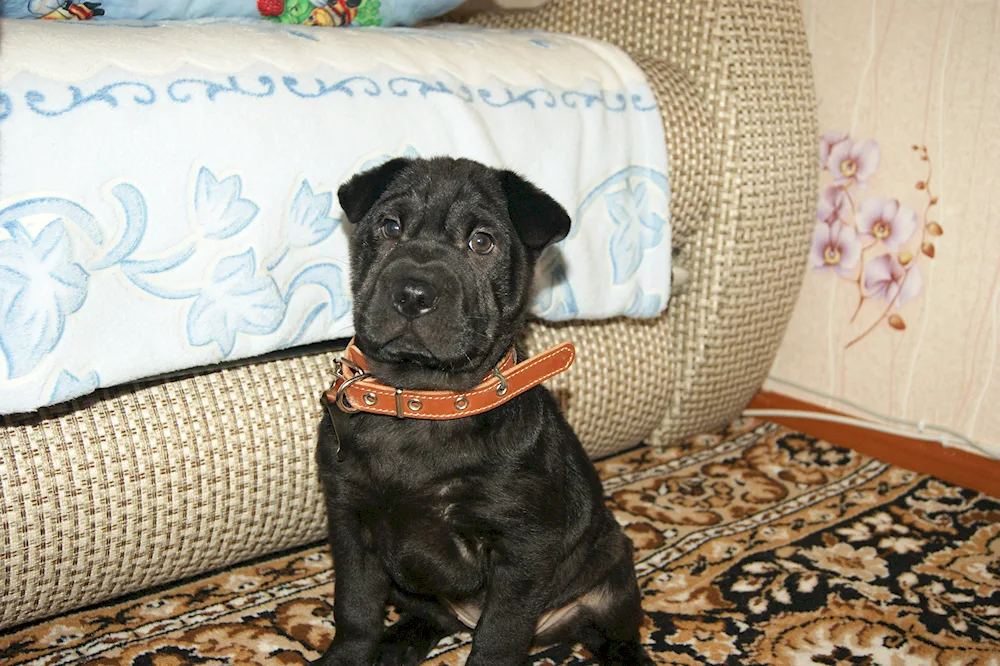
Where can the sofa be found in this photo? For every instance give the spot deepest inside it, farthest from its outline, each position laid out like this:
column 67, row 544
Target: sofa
column 140, row 485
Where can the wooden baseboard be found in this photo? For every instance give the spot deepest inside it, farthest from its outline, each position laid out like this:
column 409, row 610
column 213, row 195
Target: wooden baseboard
column 952, row 465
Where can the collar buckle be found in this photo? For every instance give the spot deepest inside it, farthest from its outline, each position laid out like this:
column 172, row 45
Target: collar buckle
column 356, row 374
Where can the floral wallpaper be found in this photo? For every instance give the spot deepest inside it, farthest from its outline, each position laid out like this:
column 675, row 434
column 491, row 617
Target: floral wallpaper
column 851, row 227
column 900, row 311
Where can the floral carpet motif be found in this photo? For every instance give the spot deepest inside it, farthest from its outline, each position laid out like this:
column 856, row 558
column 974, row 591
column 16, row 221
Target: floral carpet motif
column 758, row 545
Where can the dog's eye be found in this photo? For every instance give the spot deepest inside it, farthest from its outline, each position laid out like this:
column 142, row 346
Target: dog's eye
column 481, row 243
column 392, row 228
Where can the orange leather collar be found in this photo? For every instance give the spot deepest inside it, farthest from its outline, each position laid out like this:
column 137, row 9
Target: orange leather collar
column 354, row 389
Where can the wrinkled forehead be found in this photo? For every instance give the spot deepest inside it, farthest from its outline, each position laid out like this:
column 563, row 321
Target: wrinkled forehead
column 445, row 196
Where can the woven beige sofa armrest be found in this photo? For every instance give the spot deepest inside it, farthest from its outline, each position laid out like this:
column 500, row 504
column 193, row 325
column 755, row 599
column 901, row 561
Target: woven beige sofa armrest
column 735, row 86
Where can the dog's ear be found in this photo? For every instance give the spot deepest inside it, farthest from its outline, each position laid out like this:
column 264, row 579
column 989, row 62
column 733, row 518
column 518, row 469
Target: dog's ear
column 537, row 217
column 361, row 192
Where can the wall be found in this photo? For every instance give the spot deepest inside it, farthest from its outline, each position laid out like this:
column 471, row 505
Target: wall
column 900, row 311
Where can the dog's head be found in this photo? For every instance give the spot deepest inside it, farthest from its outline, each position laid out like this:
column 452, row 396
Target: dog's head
column 442, row 259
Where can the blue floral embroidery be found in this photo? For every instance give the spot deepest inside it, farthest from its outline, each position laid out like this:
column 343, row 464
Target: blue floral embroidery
column 590, row 99
column 218, row 208
column 6, row 106
column 213, row 88
column 134, row 206
column 54, row 207
column 309, row 319
column 40, row 285
column 309, row 221
column 309, row 217
column 636, row 229
column 644, row 305
column 69, row 386
column 549, row 100
column 104, row 94
column 398, row 86
column 236, row 300
column 331, row 278
column 181, row 91
column 639, row 103
column 369, row 88
column 631, row 199
column 138, row 271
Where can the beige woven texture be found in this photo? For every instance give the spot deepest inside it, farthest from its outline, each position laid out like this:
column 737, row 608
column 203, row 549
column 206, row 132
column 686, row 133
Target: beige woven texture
column 135, row 487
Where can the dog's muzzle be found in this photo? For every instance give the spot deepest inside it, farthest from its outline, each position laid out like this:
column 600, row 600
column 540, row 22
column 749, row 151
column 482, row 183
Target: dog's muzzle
column 413, row 298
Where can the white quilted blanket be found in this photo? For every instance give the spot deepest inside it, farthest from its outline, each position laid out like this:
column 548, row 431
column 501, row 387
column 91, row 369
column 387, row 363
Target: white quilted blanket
column 168, row 191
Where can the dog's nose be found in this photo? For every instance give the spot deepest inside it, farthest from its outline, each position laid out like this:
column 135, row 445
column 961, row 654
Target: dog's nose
column 413, row 298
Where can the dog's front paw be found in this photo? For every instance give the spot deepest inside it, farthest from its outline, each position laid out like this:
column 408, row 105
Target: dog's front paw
column 408, row 642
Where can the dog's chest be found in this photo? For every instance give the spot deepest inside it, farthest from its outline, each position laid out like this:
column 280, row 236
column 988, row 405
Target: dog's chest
column 425, row 530
column 397, row 508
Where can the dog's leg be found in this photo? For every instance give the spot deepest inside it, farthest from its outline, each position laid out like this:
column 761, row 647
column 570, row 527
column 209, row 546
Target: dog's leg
column 617, row 616
column 422, row 623
column 426, row 607
column 514, row 602
column 623, row 653
column 409, row 641
column 361, row 589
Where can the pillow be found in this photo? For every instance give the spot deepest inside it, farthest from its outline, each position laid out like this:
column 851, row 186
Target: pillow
column 307, row 12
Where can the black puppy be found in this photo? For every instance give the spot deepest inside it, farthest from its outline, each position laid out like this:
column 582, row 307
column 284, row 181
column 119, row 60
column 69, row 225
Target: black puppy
column 493, row 521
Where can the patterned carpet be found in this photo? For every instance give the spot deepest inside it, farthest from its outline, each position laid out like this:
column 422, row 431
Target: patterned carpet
column 758, row 545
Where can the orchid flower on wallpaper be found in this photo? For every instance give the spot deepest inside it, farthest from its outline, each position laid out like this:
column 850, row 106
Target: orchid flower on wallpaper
column 849, row 228
column 835, row 247
column 850, row 163
column 881, row 219
column 885, row 278
column 834, row 205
